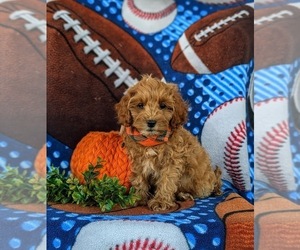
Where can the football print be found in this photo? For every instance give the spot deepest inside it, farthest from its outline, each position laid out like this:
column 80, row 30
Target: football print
column 215, row 43
column 90, row 66
column 276, row 27
column 23, row 71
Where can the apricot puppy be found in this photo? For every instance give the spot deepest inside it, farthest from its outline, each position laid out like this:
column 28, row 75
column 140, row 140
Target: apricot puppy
column 168, row 162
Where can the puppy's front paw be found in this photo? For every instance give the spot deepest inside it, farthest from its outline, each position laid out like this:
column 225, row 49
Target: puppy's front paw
column 159, row 205
column 185, row 196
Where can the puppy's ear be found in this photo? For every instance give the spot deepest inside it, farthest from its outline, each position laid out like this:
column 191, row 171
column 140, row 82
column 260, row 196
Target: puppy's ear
column 180, row 108
column 123, row 113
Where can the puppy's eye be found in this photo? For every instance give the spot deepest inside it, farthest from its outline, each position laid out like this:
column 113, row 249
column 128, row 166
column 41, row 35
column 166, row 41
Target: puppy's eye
column 140, row 105
column 162, row 105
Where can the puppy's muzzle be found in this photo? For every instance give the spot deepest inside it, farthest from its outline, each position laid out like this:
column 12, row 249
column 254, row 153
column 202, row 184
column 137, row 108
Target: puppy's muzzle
column 151, row 123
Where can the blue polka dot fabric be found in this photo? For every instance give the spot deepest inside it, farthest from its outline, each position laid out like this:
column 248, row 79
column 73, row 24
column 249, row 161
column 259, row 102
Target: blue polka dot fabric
column 19, row 229
column 200, row 225
column 58, row 155
column 16, row 154
column 22, row 229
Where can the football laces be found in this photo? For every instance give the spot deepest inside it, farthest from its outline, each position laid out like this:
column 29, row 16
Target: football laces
column 114, row 66
column 220, row 24
column 32, row 22
column 272, row 17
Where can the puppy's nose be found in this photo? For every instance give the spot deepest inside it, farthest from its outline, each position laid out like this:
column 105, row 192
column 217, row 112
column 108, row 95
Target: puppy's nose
column 151, row 123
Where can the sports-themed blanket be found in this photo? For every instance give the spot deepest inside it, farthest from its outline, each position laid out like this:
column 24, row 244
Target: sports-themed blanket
column 96, row 50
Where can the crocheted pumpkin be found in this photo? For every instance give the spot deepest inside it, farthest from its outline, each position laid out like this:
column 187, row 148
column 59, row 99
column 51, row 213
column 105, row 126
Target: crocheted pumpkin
column 107, row 146
column 40, row 161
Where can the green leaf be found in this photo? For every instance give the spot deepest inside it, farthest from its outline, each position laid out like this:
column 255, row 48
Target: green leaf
column 104, row 193
column 21, row 187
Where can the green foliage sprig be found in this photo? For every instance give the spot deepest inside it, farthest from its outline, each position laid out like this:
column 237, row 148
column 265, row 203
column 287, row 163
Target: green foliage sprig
column 17, row 186
column 104, row 193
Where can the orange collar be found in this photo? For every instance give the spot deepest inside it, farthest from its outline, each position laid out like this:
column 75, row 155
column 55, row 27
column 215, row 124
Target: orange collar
column 135, row 135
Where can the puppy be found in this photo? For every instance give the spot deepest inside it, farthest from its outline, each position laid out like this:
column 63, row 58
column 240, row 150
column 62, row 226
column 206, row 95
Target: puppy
column 168, row 163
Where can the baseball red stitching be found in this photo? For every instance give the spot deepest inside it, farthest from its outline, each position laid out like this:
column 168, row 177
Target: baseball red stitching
column 276, row 99
column 143, row 244
column 148, row 15
column 232, row 155
column 267, row 156
column 225, row 104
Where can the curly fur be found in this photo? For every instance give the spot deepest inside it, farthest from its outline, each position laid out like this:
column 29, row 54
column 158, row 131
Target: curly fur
column 177, row 169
